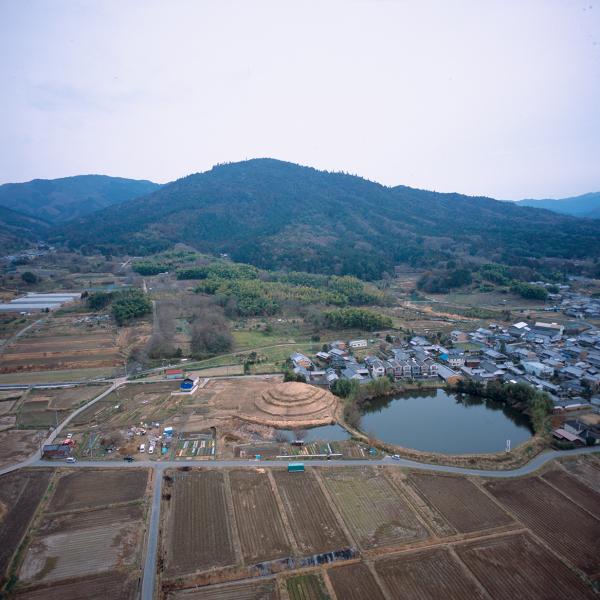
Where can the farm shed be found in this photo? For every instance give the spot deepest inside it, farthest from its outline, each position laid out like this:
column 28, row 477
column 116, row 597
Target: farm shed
column 56, row 451
column 174, row 374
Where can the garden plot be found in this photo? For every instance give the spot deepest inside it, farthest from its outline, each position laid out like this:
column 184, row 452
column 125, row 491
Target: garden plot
column 247, row 590
column 354, row 582
column 373, row 510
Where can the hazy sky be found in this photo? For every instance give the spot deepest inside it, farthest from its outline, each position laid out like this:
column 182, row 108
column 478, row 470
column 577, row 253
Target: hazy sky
column 500, row 98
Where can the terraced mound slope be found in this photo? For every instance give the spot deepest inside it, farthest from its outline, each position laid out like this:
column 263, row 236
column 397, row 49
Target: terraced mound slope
column 295, row 404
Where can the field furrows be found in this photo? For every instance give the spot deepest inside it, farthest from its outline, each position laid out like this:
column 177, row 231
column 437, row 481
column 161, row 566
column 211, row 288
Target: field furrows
column 312, row 519
column 94, row 488
column 250, row 590
column 567, row 528
column 372, row 509
column 460, row 502
column 576, row 490
column 513, row 565
column 20, row 495
column 109, row 586
column 308, row 586
column 200, row 534
column 586, row 469
column 82, row 552
column 427, row 574
column 261, row 529
column 90, row 519
column 354, row 582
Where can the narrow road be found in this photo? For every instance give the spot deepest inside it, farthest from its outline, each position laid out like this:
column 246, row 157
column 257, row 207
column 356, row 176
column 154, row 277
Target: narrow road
column 149, row 577
column 17, row 335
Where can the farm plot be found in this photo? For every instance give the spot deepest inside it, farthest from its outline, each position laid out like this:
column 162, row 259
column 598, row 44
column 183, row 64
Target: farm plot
column 95, row 488
column 311, row 518
column 460, row 502
column 132, row 404
column 354, row 582
column 372, row 509
column 201, row 446
column 427, row 574
column 579, row 492
column 586, row 469
column 510, row 566
column 260, row 526
column 252, row 590
column 307, row 587
column 109, row 586
column 81, row 552
column 563, row 525
column 199, row 528
column 20, row 495
column 17, row 445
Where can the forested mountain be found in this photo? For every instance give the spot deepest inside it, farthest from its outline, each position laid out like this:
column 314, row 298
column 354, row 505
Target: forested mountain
column 18, row 229
column 58, row 200
column 587, row 205
column 275, row 214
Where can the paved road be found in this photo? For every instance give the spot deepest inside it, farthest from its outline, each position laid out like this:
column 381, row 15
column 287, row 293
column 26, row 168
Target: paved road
column 149, row 577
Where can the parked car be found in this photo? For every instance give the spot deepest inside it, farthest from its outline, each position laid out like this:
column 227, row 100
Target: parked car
column 142, row 448
column 129, row 458
column 70, row 459
column 69, row 436
column 396, row 457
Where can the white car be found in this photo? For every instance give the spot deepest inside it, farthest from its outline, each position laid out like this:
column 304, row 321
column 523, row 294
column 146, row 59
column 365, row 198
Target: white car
column 151, row 450
column 69, row 436
column 70, row 459
column 396, row 457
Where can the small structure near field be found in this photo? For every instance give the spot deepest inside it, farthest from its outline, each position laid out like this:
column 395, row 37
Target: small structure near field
column 174, row 374
column 188, row 386
column 56, row 451
column 295, row 467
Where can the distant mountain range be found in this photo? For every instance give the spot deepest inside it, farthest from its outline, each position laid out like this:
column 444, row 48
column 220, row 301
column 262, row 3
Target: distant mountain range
column 276, row 214
column 59, row 200
column 587, row 205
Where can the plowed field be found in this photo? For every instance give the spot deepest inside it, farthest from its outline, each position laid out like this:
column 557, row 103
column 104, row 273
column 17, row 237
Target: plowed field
column 261, row 529
column 460, row 502
column 200, row 534
column 89, row 489
column 516, row 566
column 253, row 590
column 311, row 518
column 354, row 582
column 371, row 508
column 427, row 575
column 572, row 487
column 568, row 529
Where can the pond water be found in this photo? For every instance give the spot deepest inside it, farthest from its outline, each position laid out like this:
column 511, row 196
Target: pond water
column 324, row 433
column 435, row 421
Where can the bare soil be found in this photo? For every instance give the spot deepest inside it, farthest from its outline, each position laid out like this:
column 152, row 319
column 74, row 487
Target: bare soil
column 354, row 582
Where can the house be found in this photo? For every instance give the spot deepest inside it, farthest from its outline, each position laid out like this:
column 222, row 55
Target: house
column 324, row 356
column 375, row 366
column 537, row 368
column 448, row 375
column 352, row 372
column 189, row 385
column 455, row 358
column 358, row 343
column 572, row 372
column 331, row 376
column 554, row 330
column 56, row 451
column 429, row 368
column 173, row 374
column 518, row 329
column 563, row 435
column 299, row 360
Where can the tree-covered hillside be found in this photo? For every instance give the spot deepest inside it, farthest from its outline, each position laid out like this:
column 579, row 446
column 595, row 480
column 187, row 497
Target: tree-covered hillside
column 18, row 229
column 279, row 215
column 58, row 200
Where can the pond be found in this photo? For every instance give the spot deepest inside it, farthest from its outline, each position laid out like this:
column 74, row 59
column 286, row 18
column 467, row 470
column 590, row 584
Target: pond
column 435, row 421
column 323, row 433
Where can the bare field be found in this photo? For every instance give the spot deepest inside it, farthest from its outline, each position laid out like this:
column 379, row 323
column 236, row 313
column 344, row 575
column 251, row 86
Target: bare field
column 510, row 566
column 354, row 582
column 260, row 526
column 578, row 491
column 310, row 516
column 568, row 529
column 109, row 586
column 427, row 574
column 308, row 586
column 373, row 510
column 460, row 502
column 80, row 552
column 249, row 590
column 586, row 469
column 20, row 495
column 200, row 534
column 94, row 488
column 17, row 445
